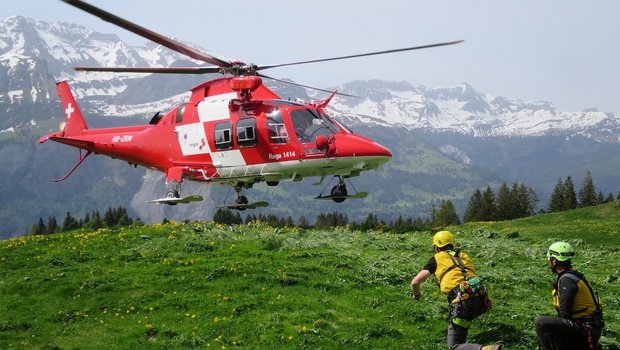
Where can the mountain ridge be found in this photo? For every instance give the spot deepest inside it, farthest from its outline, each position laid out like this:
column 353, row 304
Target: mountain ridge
column 464, row 110
column 459, row 108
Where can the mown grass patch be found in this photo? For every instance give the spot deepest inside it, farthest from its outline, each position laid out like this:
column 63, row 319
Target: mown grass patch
column 204, row 285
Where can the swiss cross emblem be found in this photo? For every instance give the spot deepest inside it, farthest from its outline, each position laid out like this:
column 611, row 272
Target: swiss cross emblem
column 69, row 110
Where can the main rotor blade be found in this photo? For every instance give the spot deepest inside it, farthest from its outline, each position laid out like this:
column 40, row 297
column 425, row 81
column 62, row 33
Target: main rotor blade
column 168, row 70
column 148, row 34
column 302, row 85
column 358, row 55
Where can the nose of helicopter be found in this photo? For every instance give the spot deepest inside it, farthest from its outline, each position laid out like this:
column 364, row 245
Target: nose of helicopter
column 351, row 145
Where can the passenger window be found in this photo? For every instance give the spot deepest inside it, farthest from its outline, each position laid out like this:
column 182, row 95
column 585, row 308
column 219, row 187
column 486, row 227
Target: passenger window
column 223, row 135
column 276, row 128
column 246, row 132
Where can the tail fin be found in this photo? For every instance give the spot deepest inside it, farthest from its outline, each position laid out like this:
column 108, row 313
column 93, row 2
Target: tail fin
column 75, row 123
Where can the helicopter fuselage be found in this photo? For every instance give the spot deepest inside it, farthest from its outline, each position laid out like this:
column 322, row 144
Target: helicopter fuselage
column 232, row 137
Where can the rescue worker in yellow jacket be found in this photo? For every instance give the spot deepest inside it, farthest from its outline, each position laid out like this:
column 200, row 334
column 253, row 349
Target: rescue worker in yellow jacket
column 450, row 268
column 579, row 322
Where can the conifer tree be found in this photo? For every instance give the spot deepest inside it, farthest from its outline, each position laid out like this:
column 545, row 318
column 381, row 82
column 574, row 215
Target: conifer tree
column 473, row 212
column 95, row 222
column 446, row 215
column 525, row 201
column 570, row 197
column 124, row 220
column 227, row 217
column 557, row 201
column 69, row 223
column 587, row 193
column 488, row 209
column 600, row 199
column 52, row 225
column 38, row 228
column 370, row 223
column 506, row 203
column 108, row 218
column 610, row 198
column 332, row 219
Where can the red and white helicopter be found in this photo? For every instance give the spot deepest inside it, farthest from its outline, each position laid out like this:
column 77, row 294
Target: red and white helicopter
column 233, row 130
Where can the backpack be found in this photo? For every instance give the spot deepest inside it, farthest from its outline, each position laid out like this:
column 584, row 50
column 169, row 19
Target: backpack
column 470, row 298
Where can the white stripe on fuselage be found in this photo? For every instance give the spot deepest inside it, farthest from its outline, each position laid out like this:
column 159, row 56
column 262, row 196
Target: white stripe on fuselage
column 232, row 158
column 193, row 139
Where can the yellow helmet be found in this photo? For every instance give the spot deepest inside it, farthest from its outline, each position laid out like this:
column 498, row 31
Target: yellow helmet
column 443, row 238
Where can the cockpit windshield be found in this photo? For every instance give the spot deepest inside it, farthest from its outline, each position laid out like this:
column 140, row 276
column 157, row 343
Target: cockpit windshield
column 309, row 124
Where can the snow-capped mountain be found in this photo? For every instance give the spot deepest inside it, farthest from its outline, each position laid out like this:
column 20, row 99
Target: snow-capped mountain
column 464, row 110
column 64, row 45
column 34, row 54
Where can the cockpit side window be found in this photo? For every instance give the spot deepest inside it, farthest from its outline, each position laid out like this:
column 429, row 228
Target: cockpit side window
column 309, row 124
column 276, row 128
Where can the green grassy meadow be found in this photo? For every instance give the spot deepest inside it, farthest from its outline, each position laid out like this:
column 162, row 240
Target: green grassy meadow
column 208, row 286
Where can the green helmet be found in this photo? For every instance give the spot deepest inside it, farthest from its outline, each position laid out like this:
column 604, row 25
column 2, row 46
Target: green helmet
column 561, row 251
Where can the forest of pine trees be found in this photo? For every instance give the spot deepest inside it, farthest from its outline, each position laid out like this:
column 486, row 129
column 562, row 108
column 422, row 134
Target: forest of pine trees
column 509, row 202
column 112, row 217
column 325, row 220
column 564, row 196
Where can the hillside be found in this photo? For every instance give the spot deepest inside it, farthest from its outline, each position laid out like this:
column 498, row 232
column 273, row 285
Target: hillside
column 203, row 285
column 446, row 141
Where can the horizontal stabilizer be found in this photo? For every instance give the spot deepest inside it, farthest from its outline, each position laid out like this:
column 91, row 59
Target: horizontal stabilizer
column 71, row 142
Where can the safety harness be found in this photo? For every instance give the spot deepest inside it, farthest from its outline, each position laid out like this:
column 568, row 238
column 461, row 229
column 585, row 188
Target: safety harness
column 469, row 299
column 596, row 320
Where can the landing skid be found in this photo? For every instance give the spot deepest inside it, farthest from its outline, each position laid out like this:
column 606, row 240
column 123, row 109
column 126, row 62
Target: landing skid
column 172, row 201
column 342, row 198
column 339, row 192
column 242, row 203
column 244, row 206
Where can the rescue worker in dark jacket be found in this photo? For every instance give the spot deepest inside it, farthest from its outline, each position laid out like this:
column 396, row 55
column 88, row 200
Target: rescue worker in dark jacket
column 580, row 317
column 449, row 275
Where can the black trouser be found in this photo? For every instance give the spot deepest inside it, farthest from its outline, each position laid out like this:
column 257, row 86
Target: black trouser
column 556, row 333
column 457, row 337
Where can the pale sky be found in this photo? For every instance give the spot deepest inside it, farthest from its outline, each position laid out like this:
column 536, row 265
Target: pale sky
column 566, row 52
